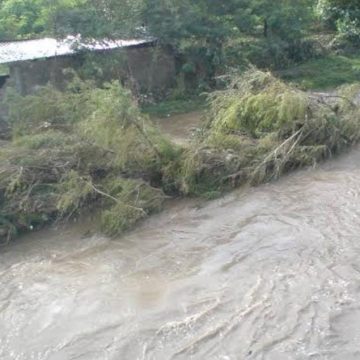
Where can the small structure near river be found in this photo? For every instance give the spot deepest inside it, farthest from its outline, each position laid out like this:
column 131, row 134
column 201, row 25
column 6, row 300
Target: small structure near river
column 141, row 63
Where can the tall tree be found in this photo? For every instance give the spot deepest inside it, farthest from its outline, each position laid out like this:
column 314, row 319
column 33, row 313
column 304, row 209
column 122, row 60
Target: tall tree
column 30, row 18
column 286, row 19
column 343, row 15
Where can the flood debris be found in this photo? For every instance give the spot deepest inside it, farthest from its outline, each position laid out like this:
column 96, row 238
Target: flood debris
column 260, row 127
column 91, row 148
column 77, row 150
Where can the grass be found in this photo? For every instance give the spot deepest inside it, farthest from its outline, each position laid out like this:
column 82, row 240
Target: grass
column 324, row 73
column 172, row 107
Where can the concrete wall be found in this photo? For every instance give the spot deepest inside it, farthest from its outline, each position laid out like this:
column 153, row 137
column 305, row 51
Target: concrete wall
column 145, row 69
column 4, row 126
column 26, row 76
column 152, row 69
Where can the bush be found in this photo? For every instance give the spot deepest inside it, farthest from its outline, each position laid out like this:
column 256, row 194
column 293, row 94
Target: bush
column 77, row 148
column 272, row 53
column 260, row 127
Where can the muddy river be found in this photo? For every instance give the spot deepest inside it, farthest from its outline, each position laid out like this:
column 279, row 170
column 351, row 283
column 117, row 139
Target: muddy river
column 267, row 273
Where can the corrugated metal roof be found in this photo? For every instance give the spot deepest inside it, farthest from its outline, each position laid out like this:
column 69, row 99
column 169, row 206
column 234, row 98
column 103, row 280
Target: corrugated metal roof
column 48, row 47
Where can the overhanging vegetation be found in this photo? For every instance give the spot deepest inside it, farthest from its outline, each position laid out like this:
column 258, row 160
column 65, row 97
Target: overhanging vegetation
column 89, row 147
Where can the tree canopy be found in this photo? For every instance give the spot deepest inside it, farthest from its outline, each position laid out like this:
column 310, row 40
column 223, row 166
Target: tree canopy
column 170, row 18
column 174, row 20
column 343, row 15
column 269, row 33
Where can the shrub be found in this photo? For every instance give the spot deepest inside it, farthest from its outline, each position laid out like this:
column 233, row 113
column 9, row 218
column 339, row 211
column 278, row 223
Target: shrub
column 78, row 148
column 260, row 127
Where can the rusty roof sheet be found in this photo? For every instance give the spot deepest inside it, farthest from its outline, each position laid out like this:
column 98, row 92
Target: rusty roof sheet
column 48, row 47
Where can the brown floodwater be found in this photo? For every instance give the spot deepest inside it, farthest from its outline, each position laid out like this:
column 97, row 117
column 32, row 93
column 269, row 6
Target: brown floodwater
column 267, row 273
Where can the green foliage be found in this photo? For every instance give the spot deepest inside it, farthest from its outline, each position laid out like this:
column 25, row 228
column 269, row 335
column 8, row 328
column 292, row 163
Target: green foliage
column 172, row 107
column 204, row 33
column 208, row 37
column 48, row 139
column 344, row 15
column 325, row 73
column 256, row 103
column 51, row 108
column 285, row 19
column 75, row 190
column 215, row 20
column 135, row 200
column 33, row 18
column 204, row 21
column 260, row 128
column 21, row 18
column 120, row 218
column 78, row 148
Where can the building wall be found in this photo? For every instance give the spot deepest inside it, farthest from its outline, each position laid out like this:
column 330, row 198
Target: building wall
column 145, row 69
column 152, row 69
column 4, row 126
column 26, row 76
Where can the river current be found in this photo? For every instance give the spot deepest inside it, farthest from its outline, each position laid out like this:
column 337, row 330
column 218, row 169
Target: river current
column 266, row 273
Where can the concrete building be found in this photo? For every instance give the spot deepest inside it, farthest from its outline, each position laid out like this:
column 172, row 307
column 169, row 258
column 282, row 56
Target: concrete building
column 144, row 66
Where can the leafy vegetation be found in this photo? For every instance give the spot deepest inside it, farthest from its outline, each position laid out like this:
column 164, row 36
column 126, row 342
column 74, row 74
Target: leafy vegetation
column 78, row 148
column 325, row 73
column 343, row 15
column 22, row 19
column 91, row 147
column 209, row 37
column 171, row 107
column 260, row 127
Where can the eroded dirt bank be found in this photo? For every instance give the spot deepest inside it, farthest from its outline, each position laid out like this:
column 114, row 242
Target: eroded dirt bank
column 180, row 127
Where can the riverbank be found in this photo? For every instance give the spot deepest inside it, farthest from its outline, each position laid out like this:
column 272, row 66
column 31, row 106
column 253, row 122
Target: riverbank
column 92, row 148
column 181, row 128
